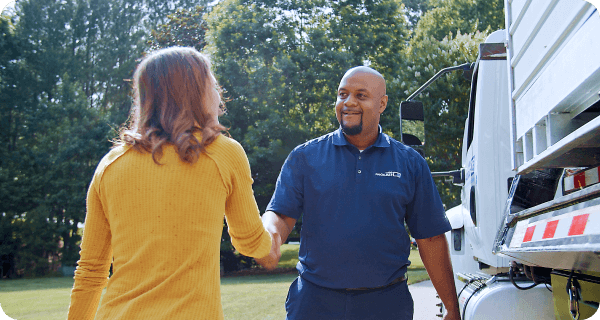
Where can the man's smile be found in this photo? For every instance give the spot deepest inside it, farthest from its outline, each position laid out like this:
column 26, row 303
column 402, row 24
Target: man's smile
column 351, row 113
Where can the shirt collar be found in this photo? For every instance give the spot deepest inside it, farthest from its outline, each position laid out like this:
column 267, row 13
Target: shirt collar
column 383, row 140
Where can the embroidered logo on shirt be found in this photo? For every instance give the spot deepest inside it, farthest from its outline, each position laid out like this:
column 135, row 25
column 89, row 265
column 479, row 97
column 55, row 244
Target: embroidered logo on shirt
column 389, row 174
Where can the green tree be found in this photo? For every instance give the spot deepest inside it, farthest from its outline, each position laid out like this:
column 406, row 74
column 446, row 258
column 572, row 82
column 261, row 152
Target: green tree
column 11, row 195
column 115, row 39
column 185, row 28
column 414, row 9
column 157, row 12
column 280, row 63
column 63, row 84
column 448, row 34
column 74, row 139
column 20, row 176
column 65, row 70
column 446, row 17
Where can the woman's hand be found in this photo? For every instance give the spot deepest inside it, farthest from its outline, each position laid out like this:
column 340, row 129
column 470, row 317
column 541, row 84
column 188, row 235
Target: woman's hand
column 271, row 260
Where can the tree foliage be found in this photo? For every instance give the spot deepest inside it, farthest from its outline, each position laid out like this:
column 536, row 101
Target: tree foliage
column 448, row 34
column 446, row 101
column 280, row 63
column 414, row 9
column 65, row 70
column 185, row 28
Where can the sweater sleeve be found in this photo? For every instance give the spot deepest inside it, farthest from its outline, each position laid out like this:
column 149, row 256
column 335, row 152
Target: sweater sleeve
column 247, row 233
column 93, row 266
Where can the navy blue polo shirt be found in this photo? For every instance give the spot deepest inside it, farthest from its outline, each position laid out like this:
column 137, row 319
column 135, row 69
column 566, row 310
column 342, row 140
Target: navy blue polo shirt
column 354, row 206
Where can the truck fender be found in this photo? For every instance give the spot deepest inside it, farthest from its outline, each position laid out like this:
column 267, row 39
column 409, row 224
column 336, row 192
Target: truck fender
column 455, row 217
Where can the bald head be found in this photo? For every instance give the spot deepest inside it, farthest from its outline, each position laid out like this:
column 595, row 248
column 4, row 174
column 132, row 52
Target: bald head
column 360, row 101
column 376, row 80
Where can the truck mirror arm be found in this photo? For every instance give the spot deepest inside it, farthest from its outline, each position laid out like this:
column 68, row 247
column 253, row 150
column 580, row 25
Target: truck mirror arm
column 465, row 67
column 457, row 177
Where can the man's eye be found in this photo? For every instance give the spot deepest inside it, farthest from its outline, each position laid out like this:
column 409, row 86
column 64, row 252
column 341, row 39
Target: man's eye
column 342, row 94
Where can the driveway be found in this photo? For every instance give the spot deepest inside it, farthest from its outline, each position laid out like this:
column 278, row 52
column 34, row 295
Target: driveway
column 423, row 295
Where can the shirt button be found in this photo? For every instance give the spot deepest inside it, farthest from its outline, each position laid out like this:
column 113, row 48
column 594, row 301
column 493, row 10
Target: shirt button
column 359, row 171
column 359, row 157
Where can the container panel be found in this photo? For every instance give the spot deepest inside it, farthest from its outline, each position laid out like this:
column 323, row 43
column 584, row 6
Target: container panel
column 537, row 41
column 569, row 78
column 517, row 6
column 527, row 27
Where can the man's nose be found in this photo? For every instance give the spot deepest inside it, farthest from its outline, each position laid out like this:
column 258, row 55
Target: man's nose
column 350, row 101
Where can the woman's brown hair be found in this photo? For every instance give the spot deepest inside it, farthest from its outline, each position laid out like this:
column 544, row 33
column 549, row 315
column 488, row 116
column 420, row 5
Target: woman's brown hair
column 175, row 96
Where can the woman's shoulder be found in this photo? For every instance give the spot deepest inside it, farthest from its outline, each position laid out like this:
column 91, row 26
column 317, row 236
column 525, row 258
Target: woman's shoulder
column 114, row 154
column 227, row 151
column 226, row 145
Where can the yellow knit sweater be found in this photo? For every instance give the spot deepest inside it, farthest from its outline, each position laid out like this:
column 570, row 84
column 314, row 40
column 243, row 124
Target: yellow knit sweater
column 162, row 226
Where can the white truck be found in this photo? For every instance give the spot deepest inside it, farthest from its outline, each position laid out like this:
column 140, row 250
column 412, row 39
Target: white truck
column 525, row 241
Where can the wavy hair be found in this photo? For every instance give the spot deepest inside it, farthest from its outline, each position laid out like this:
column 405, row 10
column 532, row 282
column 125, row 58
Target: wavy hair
column 175, row 95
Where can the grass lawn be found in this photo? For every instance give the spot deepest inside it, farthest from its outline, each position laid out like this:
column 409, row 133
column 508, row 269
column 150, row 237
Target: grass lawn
column 255, row 297
column 42, row 298
column 247, row 297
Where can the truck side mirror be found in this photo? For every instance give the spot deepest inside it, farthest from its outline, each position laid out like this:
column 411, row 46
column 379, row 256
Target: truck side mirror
column 411, row 110
column 410, row 140
column 412, row 124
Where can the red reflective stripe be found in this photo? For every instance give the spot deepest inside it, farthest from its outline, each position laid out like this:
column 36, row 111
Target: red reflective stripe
column 579, row 180
column 578, row 224
column 529, row 234
column 550, row 229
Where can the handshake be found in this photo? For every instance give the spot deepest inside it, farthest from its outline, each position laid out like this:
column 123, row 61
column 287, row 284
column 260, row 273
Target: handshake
column 279, row 228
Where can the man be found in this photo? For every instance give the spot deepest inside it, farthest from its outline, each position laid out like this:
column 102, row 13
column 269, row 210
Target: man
column 356, row 187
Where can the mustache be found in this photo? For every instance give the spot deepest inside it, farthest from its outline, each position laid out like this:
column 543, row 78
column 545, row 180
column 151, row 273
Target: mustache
column 345, row 110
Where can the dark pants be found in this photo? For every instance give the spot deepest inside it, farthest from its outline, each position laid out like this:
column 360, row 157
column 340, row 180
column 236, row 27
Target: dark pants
column 307, row 300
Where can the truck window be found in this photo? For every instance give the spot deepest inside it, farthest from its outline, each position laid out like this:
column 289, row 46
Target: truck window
column 471, row 115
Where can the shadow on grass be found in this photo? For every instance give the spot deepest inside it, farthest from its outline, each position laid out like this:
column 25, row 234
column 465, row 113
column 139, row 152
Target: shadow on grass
column 417, row 275
column 11, row 285
column 264, row 278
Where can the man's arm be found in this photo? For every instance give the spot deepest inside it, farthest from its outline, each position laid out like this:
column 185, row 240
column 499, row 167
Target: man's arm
column 436, row 258
column 279, row 227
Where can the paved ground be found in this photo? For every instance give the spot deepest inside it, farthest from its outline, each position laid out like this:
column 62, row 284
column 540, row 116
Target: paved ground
column 423, row 295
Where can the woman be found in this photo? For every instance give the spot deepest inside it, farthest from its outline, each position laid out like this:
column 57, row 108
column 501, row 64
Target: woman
column 156, row 202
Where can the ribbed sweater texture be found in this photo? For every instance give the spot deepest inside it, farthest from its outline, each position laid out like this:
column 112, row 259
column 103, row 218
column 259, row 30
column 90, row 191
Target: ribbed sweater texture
column 160, row 227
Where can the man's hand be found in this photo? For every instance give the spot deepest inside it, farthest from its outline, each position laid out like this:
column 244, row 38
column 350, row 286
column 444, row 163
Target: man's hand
column 435, row 255
column 279, row 227
column 270, row 261
column 452, row 316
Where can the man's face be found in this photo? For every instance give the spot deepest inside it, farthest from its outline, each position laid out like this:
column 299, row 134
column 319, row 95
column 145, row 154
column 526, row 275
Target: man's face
column 360, row 102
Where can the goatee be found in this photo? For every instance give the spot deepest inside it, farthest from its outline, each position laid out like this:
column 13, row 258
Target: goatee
column 352, row 131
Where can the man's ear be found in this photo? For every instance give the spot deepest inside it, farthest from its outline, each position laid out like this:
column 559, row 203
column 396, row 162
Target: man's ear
column 383, row 103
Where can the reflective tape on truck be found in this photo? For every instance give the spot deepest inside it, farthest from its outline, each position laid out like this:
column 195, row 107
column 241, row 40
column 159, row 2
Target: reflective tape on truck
column 560, row 230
